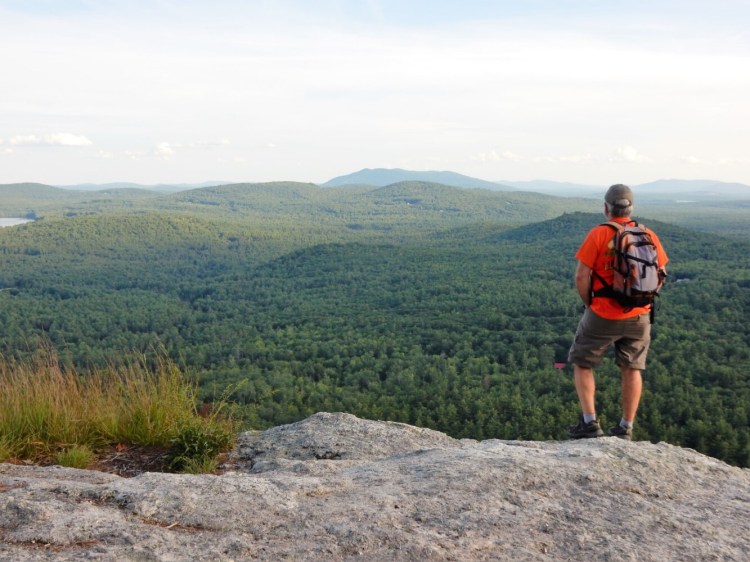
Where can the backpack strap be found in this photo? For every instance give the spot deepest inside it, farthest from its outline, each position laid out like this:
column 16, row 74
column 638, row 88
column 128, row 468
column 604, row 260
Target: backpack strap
column 619, row 226
column 616, row 225
column 606, row 290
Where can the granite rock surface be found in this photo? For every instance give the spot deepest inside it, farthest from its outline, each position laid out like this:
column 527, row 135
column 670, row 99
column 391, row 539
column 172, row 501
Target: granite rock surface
column 335, row 487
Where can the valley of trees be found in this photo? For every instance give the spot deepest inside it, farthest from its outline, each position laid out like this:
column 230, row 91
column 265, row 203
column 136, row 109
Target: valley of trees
column 435, row 306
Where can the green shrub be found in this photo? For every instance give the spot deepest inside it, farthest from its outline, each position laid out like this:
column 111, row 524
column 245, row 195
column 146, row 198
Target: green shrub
column 44, row 408
column 77, row 456
column 198, row 445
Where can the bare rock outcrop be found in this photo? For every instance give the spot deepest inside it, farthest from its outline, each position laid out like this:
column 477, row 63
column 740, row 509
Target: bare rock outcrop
column 335, row 487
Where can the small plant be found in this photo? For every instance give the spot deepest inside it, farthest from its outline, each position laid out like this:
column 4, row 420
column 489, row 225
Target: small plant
column 198, row 444
column 77, row 456
column 200, row 466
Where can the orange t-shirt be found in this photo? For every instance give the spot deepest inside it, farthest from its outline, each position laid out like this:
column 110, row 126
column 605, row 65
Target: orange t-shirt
column 597, row 252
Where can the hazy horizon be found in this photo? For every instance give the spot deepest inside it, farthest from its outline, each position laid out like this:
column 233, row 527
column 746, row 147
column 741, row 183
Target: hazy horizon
column 509, row 182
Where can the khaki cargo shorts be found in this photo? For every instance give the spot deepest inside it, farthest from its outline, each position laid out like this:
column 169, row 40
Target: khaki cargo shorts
column 631, row 338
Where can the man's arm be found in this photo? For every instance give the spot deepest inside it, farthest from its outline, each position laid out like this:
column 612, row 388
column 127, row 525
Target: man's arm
column 583, row 282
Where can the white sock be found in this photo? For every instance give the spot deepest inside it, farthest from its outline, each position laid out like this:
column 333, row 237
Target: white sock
column 587, row 418
column 625, row 424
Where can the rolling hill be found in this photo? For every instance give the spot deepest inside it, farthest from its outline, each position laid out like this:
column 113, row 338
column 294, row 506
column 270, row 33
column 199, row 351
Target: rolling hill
column 382, row 208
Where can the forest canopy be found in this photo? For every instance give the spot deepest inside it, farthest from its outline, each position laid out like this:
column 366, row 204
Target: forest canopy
column 440, row 307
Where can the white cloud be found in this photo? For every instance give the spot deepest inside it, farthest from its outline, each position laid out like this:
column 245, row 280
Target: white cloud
column 508, row 155
column 220, row 142
column 164, row 150
column 200, row 144
column 135, row 155
column 630, row 154
column 67, row 139
column 25, row 139
column 105, row 155
column 495, row 156
column 692, row 160
column 56, row 139
column 577, row 158
column 569, row 159
column 728, row 161
column 235, row 160
column 720, row 161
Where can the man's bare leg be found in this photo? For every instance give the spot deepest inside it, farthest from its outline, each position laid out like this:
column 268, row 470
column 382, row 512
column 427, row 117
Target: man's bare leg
column 585, row 388
column 632, row 385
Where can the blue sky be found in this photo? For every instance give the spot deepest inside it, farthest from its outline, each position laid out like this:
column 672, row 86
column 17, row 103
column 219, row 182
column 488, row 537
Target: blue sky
column 592, row 92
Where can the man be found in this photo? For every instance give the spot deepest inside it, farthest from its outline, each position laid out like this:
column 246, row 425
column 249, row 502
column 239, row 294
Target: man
column 605, row 322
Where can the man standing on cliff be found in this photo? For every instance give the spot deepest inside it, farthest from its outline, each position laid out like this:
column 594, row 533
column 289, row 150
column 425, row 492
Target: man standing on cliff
column 606, row 322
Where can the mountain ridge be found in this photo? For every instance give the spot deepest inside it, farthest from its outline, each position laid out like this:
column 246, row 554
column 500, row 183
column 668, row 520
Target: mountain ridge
column 657, row 190
column 381, row 177
column 703, row 189
column 159, row 187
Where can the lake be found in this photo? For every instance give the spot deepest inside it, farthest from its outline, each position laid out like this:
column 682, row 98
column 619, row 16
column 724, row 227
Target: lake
column 12, row 222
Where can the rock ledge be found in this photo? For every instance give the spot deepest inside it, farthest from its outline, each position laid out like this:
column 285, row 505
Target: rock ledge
column 336, row 487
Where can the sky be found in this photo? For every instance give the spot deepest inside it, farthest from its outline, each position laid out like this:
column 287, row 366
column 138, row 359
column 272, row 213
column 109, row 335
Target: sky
column 166, row 91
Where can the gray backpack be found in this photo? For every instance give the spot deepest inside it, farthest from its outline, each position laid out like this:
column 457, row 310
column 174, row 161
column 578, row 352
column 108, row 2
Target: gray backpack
column 637, row 277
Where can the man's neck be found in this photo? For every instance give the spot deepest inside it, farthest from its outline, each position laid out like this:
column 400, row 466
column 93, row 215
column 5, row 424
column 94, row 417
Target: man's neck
column 619, row 219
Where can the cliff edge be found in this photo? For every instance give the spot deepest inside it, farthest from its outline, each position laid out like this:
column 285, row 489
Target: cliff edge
column 336, row 487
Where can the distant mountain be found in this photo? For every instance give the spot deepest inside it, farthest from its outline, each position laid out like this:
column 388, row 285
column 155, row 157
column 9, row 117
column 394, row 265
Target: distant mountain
column 560, row 189
column 698, row 190
column 39, row 189
column 269, row 195
column 663, row 190
column 380, row 177
column 162, row 187
column 36, row 199
column 670, row 190
column 30, row 191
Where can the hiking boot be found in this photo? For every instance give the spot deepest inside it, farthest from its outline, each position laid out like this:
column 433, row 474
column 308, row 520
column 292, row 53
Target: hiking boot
column 585, row 430
column 621, row 432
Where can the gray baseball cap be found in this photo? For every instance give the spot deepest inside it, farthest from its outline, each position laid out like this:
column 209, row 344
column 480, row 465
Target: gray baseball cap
column 619, row 195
